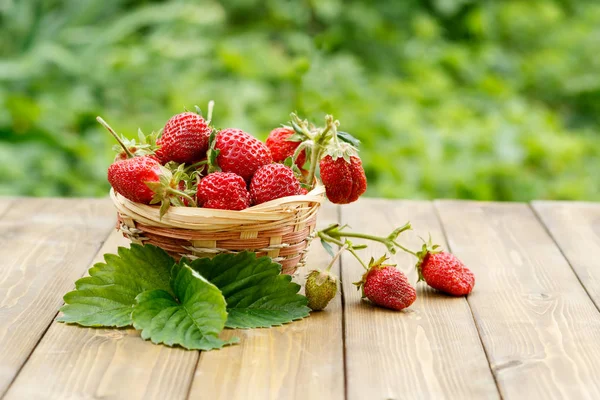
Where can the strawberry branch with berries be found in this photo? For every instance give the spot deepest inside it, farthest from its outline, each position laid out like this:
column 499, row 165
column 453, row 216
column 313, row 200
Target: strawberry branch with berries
column 383, row 284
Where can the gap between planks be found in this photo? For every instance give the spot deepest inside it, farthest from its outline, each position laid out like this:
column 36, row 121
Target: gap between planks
column 575, row 228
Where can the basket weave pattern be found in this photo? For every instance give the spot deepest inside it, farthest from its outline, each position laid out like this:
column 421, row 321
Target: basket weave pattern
column 281, row 229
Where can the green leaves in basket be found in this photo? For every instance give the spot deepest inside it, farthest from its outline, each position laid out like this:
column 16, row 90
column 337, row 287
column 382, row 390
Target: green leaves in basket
column 107, row 296
column 193, row 318
column 257, row 295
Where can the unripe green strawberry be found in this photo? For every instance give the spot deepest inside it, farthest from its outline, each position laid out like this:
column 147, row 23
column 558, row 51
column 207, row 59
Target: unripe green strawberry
column 320, row 289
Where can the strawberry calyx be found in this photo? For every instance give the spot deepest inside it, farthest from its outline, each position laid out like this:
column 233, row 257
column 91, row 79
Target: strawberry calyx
column 213, row 152
column 166, row 189
column 373, row 266
column 146, row 146
column 324, row 276
column 337, row 149
column 427, row 249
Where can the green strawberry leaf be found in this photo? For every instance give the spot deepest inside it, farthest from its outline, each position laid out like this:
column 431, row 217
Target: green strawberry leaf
column 257, row 295
column 348, row 138
column 192, row 319
column 107, row 296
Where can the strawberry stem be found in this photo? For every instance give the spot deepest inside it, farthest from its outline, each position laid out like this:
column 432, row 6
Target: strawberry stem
column 192, row 167
column 405, row 249
column 301, row 126
column 299, row 149
column 112, row 132
column 337, row 255
column 314, row 157
column 184, row 195
column 348, row 245
column 335, row 231
column 318, row 147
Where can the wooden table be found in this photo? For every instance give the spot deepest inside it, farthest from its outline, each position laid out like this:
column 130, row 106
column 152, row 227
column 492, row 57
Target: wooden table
column 530, row 329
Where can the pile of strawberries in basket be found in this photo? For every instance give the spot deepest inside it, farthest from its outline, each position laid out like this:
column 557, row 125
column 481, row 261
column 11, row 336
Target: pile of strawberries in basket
column 190, row 163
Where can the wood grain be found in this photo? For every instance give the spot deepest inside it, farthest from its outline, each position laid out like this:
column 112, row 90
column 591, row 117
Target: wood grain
column 575, row 227
column 540, row 329
column 5, row 204
column 45, row 244
column 77, row 362
column 302, row 360
column 430, row 350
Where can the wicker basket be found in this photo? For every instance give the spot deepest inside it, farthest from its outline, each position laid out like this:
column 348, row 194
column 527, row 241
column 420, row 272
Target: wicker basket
column 281, row 229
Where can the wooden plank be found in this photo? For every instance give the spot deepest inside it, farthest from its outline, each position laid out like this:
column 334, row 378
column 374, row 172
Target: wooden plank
column 299, row 360
column 540, row 330
column 5, row 203
column 76, row 362
column 575, row 227
column 45, row 245
column 430, row 350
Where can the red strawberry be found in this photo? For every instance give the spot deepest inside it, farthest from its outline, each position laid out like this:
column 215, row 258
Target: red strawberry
column 387, row 286
column 443, row 271
column 159, row 155
column 223, row 190
column 344, row 181
column 184, row 138
column 241, row 153
column 128, row 177
column 144, row 180
column 281, row 148
column 273, row 181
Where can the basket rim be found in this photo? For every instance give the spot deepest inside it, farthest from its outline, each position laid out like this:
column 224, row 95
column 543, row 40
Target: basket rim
column 282, row 210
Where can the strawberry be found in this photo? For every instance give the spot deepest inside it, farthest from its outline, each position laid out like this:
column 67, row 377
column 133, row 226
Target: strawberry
column 240, row 153
column 282, row 148
column 184, row 138
column 344, row 180
column 223, row 190
column 273, row 181
column 386, row 286
column 320, row 289
column 144, row 180
column 443, row 271
column 128, row 177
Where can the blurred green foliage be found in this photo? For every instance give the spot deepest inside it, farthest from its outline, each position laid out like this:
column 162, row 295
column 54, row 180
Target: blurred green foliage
column 451, row 98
